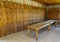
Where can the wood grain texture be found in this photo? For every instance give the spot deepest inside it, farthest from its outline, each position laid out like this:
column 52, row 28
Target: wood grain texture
column 39, row 26
column 53, row 13
column 14, row 17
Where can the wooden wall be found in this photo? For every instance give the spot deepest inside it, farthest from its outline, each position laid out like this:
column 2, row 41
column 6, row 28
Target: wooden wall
column 53, row 14
column 14, row 17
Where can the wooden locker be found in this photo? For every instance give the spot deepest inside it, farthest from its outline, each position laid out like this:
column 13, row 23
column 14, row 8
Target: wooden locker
column 20, row 14
column 2, row 22
column 14, row 17
column 53, row 13
column 11, row 27
column 2, row 29
column 2, row 19
column 59, row 15
column 14, row 11
column 42, row 14
column 25, row 20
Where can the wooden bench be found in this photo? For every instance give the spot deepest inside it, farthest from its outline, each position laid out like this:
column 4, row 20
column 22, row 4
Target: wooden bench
column 39, row 26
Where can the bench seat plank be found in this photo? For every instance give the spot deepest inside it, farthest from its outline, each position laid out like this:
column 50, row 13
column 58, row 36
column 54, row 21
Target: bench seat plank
column 41, row 24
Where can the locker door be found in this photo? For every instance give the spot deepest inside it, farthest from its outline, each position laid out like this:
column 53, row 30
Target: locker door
column 10, row 27
column 20, row 13
column 15, row 19
column 2, row 21
column 2, row 29
column 30, row 14
column 53, row 13
column 26, row 9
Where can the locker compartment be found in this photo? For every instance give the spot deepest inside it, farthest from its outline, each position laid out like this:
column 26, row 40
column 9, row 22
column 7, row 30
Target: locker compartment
column 2, row 29
column 2, row 14
column 20, row 25
column 20, row 14
column 10, row 15
column 11, row 27
column 14, row 14
column 25, row 23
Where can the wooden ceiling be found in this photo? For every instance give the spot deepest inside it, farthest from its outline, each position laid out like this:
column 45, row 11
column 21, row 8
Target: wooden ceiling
column 48, row 2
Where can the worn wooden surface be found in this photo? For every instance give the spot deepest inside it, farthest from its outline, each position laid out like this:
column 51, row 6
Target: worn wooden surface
column 14, row 17
column 53, row 14
column 39, row 26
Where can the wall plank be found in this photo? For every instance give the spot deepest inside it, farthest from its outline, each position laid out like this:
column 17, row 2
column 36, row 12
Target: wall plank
column 14, row 17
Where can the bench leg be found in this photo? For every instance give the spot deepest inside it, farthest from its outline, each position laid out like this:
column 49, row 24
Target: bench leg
column 28, row 32
column 56, row 24
column 49, row 28
column 36, row 35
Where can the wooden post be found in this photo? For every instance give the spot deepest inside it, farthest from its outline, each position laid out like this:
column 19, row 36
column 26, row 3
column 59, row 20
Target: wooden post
column 49, row 28
column 36, row 34
column 56, row 23
column 28, row 32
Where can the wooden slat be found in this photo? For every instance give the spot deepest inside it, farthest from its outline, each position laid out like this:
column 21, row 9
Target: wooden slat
column 53, row 13
column 15, row 16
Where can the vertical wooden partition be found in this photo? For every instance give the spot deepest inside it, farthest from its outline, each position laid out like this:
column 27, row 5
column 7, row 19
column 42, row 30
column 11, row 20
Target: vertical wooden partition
column 8, row 19
column 53, row 13
column 19, row 17
column 14, row 17
column 2, row 19
column 26, row 16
